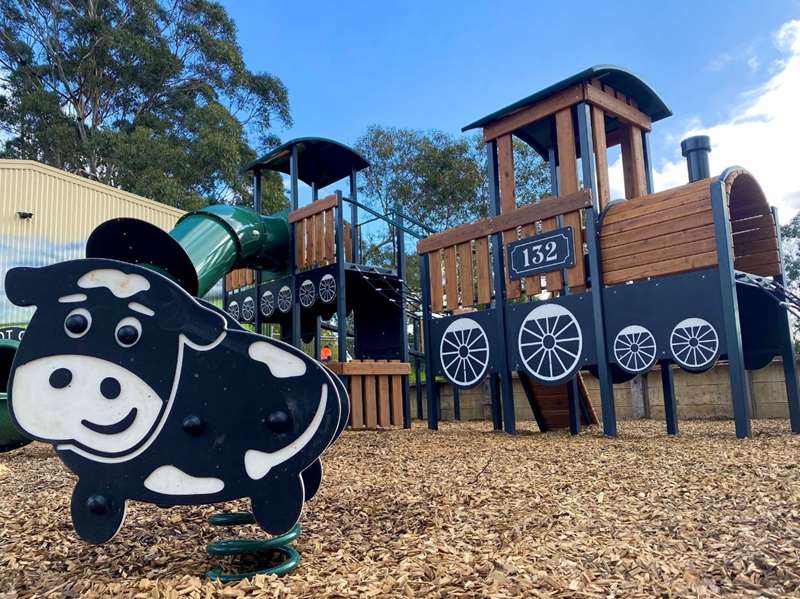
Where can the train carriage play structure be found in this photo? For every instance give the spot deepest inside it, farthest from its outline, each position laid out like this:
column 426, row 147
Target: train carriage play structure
column 165, row 398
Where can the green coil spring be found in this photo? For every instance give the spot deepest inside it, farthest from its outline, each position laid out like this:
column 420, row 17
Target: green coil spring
column 280, row 544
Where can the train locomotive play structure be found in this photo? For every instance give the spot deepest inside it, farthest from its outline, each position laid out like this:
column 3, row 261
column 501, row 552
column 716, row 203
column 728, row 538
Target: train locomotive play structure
column 577, row 282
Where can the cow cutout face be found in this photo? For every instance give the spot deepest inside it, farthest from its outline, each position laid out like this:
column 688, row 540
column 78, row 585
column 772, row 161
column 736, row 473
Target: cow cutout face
column 98, row 369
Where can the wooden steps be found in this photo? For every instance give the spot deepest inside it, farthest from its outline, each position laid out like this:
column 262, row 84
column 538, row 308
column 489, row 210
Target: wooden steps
column 549, row 403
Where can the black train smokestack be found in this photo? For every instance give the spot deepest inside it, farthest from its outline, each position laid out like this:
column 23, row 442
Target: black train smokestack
column 695, row 150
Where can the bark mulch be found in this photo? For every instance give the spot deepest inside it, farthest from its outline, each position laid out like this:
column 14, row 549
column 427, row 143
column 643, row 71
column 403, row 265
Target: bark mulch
column 459, row 513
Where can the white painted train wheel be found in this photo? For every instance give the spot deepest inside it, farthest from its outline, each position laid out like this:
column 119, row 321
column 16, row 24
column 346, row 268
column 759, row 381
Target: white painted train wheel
column 233, row 310
column 550, row 342
column 464, row 352
column 248, row 309
column 284, row 299
column 327, row 289
column 694, row 344
column 635, row 349
column 267, row 303
column 307, row 293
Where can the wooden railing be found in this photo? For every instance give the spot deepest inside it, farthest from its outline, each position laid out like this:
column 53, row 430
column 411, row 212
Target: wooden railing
column 376, row 391
column 242, row 277
column 459, row 258
column 315, row 234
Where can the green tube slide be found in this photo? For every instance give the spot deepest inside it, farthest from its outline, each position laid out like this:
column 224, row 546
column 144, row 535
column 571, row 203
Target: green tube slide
column 203, row 246
column 10, row 437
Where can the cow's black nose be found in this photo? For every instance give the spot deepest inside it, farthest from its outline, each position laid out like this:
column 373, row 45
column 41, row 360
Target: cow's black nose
column 279, row 421
column 60, row 378
column 110, row 388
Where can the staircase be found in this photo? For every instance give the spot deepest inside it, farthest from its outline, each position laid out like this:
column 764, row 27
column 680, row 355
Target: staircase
column 549, row 403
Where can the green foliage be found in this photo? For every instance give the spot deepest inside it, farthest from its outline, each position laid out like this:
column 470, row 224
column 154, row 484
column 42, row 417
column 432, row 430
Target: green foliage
column 790, row 235
column 147, row 95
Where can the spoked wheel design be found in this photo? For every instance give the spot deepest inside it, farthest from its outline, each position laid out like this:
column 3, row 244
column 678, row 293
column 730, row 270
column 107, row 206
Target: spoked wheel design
column 284, row 299
column 233, row 310
column 327, row 289
column 464, row 352
column 267, row 303
column 694, row 344
column 248, row 309
column 307, row 295
column 550, row 343
column 635, row 349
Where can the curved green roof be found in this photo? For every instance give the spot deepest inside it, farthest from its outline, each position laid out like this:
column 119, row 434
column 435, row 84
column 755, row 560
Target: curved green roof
column 619, row 78
column 320, row 161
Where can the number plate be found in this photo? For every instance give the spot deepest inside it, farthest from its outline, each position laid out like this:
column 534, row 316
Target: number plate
column 541, row 253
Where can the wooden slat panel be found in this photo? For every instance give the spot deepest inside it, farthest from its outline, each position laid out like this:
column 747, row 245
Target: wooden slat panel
column 601, row 156
column 753, row 223
column 384, row 411
column 466, row 275
column 508, row 203
column 356, row 402
column 330, row 247
column 616, row 107
column 633, row 163
column 348, row 242
column 451, row 277
column 768, row 258
column 655, row 243
column 300, row 241
column 769, row 244
column 654, row 218
column 505, row 222
column 397, row 400
column 319, row 239
column 752, row 235
column 586, row 399
column 251, row 276
column 667, row 267
column 313, row 208
column 370, row 402
column 362, row 367
column 685, row 223
column 656, row 202
column 482, row 268
column 546, row 107
column 311, row 241
column 568, row 183
column 435, row 273
column 533, row 285
column 659, row 255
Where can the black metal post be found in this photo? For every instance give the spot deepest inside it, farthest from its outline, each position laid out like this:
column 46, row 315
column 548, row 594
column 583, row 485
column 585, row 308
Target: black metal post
column 670, row 405
column 499, row 285
column 787, row 349
column 318, row 337
column 341, row 291
column 257, row 207
column 592, row 240
column 356, row 232
column 314, row 192
column 456, row 404
column 730, row 311
column 295, row 197
column 430, row 384
column 400, row 239
column 648, row 161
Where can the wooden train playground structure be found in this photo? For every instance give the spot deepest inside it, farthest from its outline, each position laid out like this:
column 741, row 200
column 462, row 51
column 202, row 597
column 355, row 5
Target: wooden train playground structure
column 576, row 283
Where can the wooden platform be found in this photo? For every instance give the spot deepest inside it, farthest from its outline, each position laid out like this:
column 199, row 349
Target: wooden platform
column 376, row 392
column 549, row 403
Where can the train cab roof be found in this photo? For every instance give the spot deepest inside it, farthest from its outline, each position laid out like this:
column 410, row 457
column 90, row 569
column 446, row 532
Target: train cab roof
column 320, row 161
column 541, row 134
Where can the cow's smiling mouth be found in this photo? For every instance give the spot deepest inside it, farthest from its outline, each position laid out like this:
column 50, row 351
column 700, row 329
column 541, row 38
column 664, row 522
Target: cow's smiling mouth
column 112, row 429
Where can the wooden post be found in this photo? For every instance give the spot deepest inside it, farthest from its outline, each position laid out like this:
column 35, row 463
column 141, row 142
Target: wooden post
column 633, row 162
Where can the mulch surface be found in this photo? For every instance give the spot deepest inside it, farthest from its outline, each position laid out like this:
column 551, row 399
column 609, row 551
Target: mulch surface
column 459, row 513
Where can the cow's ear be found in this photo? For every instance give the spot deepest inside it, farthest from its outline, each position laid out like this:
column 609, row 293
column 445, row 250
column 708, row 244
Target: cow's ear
column 202, row 326
column 23, row 285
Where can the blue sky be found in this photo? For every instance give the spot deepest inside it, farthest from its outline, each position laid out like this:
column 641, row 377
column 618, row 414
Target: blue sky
column 443, row 64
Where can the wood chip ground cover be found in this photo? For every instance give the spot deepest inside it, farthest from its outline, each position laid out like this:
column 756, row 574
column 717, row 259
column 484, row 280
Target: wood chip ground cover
column 463, row 512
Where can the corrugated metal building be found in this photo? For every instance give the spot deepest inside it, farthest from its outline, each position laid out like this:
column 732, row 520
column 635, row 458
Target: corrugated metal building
column 47, row 214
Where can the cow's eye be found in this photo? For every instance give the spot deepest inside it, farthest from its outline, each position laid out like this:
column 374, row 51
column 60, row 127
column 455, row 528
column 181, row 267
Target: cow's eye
column 128, row 332
column 78, row 322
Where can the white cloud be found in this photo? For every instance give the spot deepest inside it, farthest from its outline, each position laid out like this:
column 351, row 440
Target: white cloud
column 761, row 135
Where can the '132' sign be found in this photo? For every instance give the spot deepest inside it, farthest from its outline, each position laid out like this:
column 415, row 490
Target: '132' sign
column 542, row 253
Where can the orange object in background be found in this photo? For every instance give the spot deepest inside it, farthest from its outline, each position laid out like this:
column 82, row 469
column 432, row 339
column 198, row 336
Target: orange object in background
column 325, row 354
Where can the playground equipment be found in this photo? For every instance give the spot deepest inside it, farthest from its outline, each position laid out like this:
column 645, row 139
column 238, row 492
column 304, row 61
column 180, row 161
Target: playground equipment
column 326, row 277
column 10, row 437
column 578, row 283
column 222, row 413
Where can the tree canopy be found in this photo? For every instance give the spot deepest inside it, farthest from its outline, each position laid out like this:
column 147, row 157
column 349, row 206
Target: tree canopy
column 152, row 96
